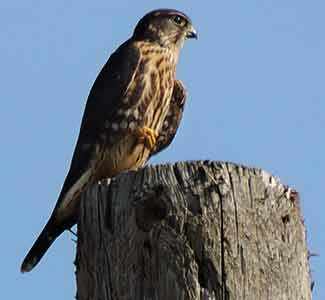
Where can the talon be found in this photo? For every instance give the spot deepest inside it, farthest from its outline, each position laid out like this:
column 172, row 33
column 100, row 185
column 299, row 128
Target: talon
column 147, row 136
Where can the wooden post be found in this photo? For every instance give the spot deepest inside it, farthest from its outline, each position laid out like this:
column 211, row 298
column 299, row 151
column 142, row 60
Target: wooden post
column 194, row 230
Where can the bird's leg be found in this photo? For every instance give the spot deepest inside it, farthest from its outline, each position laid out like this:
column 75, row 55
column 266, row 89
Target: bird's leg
column 75, row 234
column 147, row 136
column 71, row 231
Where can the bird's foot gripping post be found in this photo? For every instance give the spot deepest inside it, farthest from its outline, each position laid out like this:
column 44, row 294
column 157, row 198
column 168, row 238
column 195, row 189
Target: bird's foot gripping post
column 147, row 136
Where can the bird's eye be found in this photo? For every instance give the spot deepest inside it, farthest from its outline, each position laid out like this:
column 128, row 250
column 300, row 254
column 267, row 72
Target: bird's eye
column 178, row 20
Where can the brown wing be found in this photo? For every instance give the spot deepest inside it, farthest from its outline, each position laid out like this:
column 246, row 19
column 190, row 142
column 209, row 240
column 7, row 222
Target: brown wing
column 173, row 118
column 104, row 100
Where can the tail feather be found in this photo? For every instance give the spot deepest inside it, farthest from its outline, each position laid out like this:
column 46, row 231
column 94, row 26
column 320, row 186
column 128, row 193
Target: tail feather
column 43, row 242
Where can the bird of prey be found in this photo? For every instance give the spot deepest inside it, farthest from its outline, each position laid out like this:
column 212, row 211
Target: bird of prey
column 132, row 112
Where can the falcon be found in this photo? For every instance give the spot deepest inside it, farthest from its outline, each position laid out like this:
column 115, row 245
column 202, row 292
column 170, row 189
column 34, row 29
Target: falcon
column 133, row 111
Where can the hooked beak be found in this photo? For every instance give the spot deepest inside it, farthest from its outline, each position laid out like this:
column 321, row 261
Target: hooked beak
column 191, row 33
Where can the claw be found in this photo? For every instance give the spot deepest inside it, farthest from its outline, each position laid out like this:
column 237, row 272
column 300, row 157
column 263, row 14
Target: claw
column 147, row 136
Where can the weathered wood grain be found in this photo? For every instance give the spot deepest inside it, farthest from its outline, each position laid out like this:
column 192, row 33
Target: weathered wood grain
column 195, row 230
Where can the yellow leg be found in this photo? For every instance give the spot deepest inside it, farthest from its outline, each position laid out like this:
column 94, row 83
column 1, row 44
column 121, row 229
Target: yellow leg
column 147, row 136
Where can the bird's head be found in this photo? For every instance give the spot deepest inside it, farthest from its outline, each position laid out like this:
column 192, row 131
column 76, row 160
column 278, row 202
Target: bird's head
column 167, row 27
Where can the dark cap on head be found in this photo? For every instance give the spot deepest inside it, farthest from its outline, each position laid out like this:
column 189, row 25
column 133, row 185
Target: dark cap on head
column 161, row 14
column 164, row 12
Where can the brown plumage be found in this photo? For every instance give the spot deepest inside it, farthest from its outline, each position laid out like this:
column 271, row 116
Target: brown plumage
column 173, row 118
column 123, row 122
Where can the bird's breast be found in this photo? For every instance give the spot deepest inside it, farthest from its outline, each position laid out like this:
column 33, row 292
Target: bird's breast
column 148, row 98
column 127, row 154
column 158, row 81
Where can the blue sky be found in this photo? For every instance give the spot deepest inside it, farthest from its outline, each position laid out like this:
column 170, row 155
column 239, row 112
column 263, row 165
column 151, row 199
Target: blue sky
column 256, row 91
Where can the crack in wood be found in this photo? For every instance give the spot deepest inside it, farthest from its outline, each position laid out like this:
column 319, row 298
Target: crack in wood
column 196, row 230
